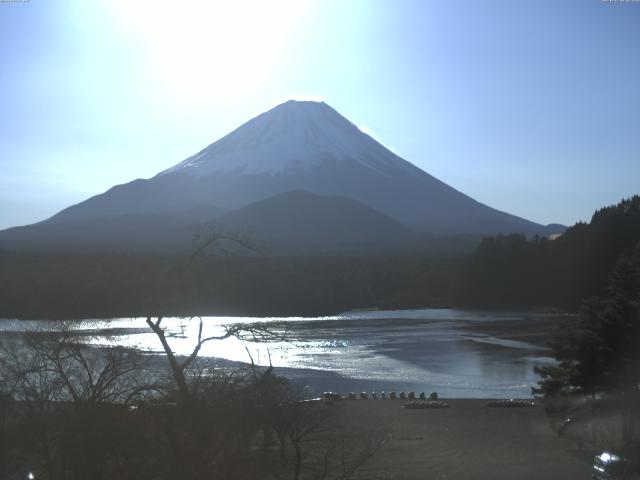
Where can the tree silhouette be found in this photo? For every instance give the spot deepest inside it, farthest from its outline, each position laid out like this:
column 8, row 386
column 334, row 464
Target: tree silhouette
column 516, row 272
column 599, row 350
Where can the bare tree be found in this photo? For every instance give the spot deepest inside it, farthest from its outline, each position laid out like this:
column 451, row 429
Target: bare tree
column 70, row 401
column 218, row 419
column 258, row 332
column 316, row 442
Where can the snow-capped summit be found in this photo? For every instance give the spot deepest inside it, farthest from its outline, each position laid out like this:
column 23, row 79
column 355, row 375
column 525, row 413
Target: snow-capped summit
column 294, row 134
column 350, row 189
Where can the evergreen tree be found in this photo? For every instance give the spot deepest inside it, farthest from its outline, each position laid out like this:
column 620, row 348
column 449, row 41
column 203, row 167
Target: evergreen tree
column 516, row 272
column 599, row 350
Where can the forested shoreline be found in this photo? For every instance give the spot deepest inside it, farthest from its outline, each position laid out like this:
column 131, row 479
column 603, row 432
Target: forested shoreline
column 516, row 272
column 503, row 272
column 66, row 286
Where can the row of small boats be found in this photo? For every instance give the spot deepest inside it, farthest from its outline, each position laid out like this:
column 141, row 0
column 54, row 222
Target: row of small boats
column 421, row 400
column 380, row 396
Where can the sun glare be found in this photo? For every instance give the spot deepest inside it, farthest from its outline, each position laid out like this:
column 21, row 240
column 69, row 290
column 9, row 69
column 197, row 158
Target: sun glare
column 206, row 50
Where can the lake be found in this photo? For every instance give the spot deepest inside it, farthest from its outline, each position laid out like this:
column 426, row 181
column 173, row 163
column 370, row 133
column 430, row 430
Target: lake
column 458, row 353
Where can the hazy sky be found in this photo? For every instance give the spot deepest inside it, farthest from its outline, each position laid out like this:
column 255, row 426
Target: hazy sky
column 532, row 107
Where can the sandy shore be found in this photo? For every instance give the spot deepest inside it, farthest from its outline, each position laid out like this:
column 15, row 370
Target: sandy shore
column 468, row 440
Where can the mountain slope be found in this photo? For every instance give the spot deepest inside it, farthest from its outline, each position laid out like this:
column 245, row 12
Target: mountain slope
column 304, row 146
column 296, row 146
column 121, row 233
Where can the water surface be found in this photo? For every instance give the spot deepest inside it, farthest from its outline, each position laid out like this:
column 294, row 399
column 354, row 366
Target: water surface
column 458, row 353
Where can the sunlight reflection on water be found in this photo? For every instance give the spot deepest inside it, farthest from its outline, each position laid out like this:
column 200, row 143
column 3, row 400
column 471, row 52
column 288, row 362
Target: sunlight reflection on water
column 426, row 349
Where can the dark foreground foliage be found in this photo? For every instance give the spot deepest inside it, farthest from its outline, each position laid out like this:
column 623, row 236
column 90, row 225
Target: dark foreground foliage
column 73, row 412
column 599, row 350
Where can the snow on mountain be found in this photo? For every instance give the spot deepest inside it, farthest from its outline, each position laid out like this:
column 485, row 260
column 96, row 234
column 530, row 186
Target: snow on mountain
column 295, row 134
column 297, row 146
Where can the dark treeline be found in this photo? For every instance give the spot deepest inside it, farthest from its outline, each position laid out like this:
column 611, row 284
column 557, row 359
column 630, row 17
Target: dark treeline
column 599, row 349
column 110, row 285
column 516, row 272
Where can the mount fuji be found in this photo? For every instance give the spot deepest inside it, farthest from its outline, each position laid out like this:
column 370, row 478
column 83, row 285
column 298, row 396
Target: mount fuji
column 299, row 167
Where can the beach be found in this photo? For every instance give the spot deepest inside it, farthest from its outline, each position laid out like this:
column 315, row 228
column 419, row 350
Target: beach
column 468, row 440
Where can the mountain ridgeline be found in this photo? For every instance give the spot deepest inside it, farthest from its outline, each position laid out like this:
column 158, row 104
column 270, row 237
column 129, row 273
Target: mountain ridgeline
column 299, row 179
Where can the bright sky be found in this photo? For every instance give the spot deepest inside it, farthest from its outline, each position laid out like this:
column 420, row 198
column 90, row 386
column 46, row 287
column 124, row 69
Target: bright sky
column 531, row 106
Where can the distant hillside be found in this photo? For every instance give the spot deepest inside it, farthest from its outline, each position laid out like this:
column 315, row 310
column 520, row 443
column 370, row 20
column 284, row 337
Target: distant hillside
column 289, row 224
column 513, row 272
column 303, row 223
